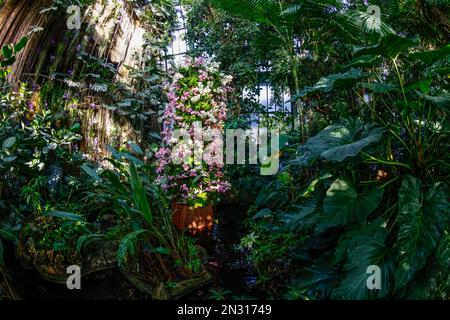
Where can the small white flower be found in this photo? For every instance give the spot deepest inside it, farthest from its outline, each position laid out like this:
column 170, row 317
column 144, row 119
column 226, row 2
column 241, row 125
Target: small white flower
column 195, row 98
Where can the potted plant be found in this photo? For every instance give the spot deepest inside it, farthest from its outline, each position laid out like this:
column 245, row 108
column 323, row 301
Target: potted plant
column 197, row 98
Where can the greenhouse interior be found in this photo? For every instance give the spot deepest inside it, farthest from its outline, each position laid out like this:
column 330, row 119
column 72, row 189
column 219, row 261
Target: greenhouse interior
column 204, row 150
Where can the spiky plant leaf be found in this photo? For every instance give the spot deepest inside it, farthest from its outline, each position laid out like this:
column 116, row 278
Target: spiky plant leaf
column 139, row 194
column 65, row 215
column 92, row 173
column 127, row 245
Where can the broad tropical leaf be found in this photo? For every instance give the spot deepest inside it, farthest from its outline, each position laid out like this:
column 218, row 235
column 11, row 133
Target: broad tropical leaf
column 371, row 252
column 389, row 46
column 420, row 221
column 319, row 279
column 338, row 142
column 357, row 234
column 343, row 204
column 331, row 82
column 302, row 215
column 380, row 87
column 430, row 57
column 442, row 101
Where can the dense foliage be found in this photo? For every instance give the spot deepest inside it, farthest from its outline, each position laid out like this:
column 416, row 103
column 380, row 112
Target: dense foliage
column 364, row 163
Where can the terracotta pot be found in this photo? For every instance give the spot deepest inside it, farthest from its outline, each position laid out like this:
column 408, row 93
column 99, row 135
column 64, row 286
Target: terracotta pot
column 193, row 219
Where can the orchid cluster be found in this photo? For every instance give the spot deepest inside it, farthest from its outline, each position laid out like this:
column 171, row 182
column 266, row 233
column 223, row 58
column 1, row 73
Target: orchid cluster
column 196, row 95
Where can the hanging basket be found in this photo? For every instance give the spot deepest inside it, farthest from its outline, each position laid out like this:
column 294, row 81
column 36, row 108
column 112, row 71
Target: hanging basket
column 193, row 219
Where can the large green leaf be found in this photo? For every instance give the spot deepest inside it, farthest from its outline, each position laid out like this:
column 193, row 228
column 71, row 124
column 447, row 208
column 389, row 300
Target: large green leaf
column 351, row 149
column 343, row 204
column 370, row 252
column 430, row 57
column 139, row 194
column 389, row 46
column 301, row 215
column 380, row 87
column 357, row 234
column 331, row 82
column 319, row 279
column 442, row 101
column 424, row 285
column 338, row 142
column 420, row 220
column 364, row 61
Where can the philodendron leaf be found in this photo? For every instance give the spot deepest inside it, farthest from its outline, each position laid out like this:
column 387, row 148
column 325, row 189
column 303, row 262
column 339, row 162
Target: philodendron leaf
column 333, row 81
column 354, row 285
column 364, row 61
column 343, row 205
column 430, row 57
column 420, row 219
column 389, row 46
column 352, row 148
column 442, row 101
column 380, row 87
column 337, row 143
column 301, row 216
column 359, row 233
